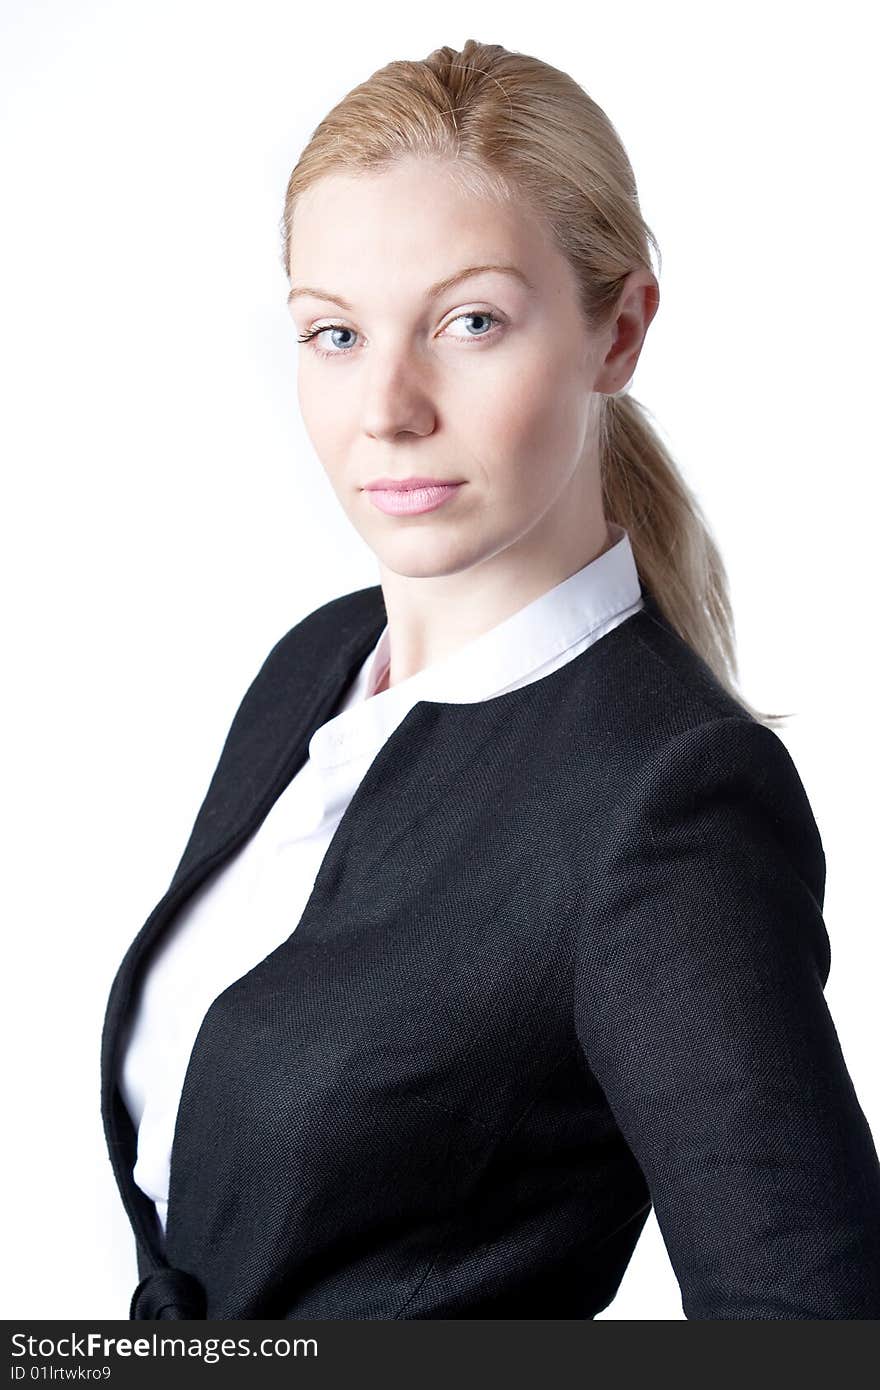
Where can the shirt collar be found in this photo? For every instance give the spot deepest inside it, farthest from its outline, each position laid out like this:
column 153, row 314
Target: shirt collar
column 495, row 661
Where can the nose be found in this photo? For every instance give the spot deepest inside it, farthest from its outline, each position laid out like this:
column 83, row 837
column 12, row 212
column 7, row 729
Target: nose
column 397, row 400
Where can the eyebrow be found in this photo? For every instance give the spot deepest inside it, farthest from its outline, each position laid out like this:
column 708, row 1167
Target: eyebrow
column 433, row 291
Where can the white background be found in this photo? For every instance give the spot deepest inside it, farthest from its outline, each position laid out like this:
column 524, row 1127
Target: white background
column 165, row 519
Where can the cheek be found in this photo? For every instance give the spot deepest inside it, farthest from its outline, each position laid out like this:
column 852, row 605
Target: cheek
column 539, row 419
column 313, row 397
column 323, row 421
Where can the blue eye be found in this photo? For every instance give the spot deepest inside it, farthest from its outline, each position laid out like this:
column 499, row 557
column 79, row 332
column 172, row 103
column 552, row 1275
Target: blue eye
column 314, row 334
column 476, row 314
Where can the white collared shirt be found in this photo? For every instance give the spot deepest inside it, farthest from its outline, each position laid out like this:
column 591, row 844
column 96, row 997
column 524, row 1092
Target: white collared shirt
column 253, row 902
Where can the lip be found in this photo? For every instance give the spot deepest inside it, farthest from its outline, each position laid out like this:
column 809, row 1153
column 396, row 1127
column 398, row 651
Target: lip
column 405, row 484
column 410, row 499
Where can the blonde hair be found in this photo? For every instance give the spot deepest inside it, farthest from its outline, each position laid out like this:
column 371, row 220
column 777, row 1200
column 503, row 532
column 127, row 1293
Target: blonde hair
column 512, row 127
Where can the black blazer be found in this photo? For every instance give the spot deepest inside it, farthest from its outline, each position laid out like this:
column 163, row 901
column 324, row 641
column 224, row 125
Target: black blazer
column 564, row 958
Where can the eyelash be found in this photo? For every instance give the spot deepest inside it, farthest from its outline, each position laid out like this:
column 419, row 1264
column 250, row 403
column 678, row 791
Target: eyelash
column 346, row 352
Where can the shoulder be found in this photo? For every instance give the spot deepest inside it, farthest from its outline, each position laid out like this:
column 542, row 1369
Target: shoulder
column 667, row 677
column 690, row 760
column 328, row 631
column 676, row 716
column 331, row 637
column 718, row 815
column 309, row 657
column 296, row 680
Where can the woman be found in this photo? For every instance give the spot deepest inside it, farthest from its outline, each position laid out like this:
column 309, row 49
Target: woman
column 501, row 919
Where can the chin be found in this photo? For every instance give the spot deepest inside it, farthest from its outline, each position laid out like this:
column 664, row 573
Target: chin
column 420, row 562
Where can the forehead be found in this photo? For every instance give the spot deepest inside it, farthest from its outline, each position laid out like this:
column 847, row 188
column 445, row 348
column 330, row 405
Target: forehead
column 411, row 223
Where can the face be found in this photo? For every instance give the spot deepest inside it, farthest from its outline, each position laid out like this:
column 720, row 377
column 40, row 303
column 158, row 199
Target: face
column 482, row 382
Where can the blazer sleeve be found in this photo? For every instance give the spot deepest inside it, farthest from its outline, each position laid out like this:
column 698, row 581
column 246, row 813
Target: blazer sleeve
column 700, row 1009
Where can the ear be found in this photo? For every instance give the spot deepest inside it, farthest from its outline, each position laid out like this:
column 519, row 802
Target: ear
column 637, row 304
